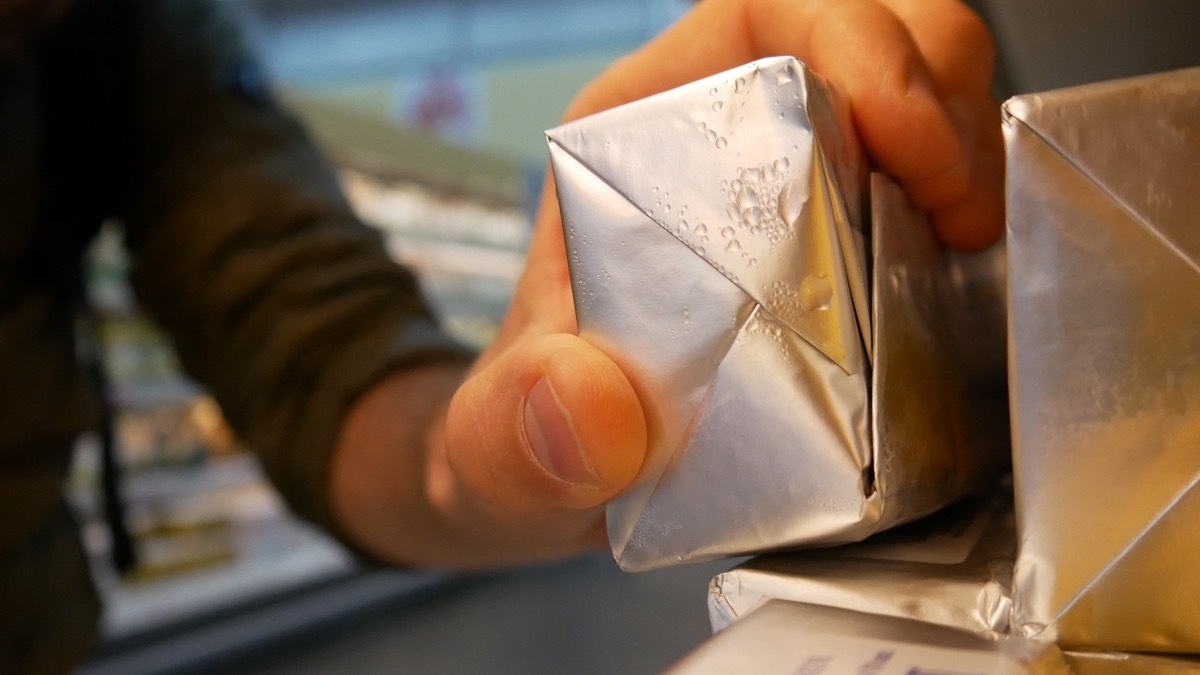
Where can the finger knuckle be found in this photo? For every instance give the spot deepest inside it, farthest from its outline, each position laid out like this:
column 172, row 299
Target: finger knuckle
column 972, row 36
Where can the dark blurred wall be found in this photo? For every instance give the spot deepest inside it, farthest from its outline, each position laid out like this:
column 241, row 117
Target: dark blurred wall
column 1045, row 44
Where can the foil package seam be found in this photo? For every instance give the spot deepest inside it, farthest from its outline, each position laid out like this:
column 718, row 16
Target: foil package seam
column 1033, row 631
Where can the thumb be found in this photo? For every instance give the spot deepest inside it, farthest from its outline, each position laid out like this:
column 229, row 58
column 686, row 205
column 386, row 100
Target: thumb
column 549, row 425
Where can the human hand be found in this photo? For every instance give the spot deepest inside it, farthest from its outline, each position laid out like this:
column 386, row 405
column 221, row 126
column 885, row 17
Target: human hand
column 546, row 428
column 917, row 74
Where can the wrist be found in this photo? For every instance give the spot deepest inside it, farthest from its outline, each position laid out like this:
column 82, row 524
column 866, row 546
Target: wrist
column 377, row 473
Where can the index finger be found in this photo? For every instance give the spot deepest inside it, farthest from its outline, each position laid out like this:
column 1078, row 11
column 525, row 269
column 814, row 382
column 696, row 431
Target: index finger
column 861, row 46
column 858, row 45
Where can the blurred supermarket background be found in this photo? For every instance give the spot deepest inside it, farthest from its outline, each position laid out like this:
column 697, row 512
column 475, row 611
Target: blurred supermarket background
column 433, row 114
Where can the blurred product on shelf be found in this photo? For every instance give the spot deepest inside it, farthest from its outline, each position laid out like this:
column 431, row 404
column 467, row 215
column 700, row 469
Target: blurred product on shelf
column 406, row 208
column 468, row 252
column 209, row 531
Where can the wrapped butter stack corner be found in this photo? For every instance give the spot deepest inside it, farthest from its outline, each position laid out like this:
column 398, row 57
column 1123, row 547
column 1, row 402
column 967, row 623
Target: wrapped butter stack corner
column 795, row 638
column 1104, row 293
column 953, row 569
column 931, row 596
column 809, row 378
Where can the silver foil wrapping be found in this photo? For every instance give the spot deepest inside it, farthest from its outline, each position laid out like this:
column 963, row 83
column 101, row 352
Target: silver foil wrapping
column 954, row 570
column 1104, row 299
column 792, row 638
column 808, row 379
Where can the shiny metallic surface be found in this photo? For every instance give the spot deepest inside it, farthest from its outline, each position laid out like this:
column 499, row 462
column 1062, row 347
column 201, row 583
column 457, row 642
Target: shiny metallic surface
column 940, row 402
column 954, row 571
column 791, row 638
column 1104, row 293
column 718, row 250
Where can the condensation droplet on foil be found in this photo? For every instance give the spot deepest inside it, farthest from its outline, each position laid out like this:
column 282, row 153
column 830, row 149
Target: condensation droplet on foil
column 747, row 198
column 740, row 85
column 722, row 143
column 792, row 200
column 717, row 106
column 728, row 232
column 815, row 293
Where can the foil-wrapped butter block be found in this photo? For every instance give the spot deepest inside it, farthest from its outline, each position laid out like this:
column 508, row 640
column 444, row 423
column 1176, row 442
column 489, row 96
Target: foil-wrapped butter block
column 953, row 569
column 811, row 374
column 1104, row 300
column 791, row 638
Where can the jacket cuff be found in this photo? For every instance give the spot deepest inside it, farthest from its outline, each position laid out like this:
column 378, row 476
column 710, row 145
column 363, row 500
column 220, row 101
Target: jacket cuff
column 301, row 468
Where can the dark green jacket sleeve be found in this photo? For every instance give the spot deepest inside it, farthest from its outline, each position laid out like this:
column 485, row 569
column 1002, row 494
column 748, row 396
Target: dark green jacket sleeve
column 279, row 301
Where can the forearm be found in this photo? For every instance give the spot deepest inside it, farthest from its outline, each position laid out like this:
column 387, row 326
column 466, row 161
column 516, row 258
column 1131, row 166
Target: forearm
column 279, row 301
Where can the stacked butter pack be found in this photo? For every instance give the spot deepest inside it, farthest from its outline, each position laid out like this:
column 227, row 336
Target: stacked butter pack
column 935, row 596
column 814, row 367
column 953, row 569
column 794, row 638
column 1104, row 293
